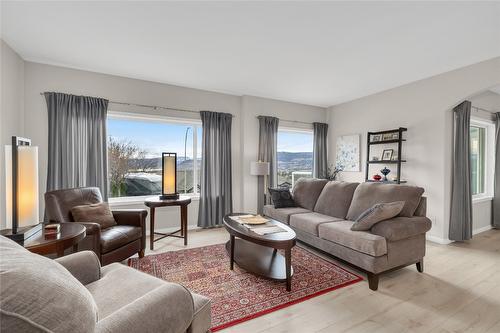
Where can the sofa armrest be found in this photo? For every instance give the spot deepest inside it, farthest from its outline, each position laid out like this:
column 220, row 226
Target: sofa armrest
column 402, row 227
column 168, row 308
column 84, row 266
column 135, row 217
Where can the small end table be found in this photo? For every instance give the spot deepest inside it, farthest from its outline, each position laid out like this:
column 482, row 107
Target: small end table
column 155, row 202
column 71, row 233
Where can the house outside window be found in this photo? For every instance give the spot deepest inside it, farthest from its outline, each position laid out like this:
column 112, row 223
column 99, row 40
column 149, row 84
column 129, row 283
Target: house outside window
column 135, row 144
column 482, row 144
column 295, row 156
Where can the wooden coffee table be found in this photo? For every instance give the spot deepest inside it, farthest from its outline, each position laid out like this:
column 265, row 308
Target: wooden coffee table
column 70, row 235
column 258, row 254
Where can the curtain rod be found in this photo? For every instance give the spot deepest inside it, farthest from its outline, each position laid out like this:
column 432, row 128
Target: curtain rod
column 293, row 121
column 155, row 107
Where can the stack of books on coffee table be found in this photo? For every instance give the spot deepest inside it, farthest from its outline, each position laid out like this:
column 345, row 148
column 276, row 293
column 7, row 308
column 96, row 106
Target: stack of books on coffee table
column 258, row 224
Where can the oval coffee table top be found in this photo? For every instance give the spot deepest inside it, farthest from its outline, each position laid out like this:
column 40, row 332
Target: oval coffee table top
column 280, row 239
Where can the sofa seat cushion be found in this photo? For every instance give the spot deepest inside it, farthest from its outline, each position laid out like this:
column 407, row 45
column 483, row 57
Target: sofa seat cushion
column 37, row 294
column 306, row 192
column 335, row 198
column 369, row 194
column 283, row 214
column 117, row 236
column 340, row 232
column 309, row 222
column 131, row 301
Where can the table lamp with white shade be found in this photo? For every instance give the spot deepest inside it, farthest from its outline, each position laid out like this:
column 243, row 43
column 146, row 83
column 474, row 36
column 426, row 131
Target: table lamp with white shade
column 260, row 169
column 21, row 171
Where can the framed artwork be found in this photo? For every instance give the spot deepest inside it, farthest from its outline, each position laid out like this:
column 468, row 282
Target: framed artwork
column 387, row 154
column 376, row 138
column 348, row 153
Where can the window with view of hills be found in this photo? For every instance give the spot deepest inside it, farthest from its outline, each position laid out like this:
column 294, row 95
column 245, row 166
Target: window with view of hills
column 134, row 155
column 295, row 156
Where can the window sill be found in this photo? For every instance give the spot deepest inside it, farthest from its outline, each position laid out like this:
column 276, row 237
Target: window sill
column 481, row 199
column 125, row 201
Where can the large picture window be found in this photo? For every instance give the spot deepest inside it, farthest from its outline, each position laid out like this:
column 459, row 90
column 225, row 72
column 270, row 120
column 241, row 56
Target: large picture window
column 135, row 144
column 295, row 156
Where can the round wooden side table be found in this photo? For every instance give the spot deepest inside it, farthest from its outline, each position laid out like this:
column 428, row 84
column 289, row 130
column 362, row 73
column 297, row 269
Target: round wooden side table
column 71, row 233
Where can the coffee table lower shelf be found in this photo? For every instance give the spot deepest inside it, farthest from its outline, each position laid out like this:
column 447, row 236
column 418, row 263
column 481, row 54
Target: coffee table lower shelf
column 260, row 260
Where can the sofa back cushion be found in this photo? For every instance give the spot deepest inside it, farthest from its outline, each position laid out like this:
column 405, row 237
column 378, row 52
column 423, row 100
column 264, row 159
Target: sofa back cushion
column 335, row 198
column 306, row 192
column 38, row 294
column 369, row 194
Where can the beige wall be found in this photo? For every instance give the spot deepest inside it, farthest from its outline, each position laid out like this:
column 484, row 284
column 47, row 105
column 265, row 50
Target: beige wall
column 424, row 107
column 40, row 78
column 11, row 112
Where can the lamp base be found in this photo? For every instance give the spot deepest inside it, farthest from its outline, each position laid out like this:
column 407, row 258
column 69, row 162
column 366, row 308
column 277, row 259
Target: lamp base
column 23, row 233
column 173, row 196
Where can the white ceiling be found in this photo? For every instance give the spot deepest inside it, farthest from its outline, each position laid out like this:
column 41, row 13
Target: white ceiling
column 318, row 53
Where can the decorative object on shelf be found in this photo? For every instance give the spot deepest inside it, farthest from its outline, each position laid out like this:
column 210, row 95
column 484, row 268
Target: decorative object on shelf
column 375, row 158
column 348, row 152
column 169, row 176
column 332, row 172
column 394, row 157
column 376, row 138
column 394, row 178
column 387, row 154
column 21, row 162
column 385, row 172
column 377, row 177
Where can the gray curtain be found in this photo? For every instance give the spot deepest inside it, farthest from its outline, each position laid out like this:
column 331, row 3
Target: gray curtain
column 320, row 161
column 216, row 198
column 268, row 146
column 496, row 198
column 461, row 194
column 77, row 142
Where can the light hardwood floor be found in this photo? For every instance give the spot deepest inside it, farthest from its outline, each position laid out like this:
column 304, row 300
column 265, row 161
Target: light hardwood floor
column 459, row 291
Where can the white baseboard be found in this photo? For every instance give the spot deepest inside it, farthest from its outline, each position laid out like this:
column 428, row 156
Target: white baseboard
column 434, row 239
column 483, row 229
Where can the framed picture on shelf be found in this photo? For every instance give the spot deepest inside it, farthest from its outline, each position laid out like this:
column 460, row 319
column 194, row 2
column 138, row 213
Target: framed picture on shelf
column 395, row 136
column 376, row 137
column 387, row 154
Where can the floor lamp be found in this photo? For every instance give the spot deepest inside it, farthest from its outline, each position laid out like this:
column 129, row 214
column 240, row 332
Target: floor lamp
column 260, row 169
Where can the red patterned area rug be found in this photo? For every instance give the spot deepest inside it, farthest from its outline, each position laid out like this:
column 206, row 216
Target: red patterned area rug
column 236, row 295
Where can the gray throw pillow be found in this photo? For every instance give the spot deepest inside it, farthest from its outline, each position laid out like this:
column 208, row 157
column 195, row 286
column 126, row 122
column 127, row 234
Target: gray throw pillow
column 377, row 213
column 98, row 213
column 281, row 197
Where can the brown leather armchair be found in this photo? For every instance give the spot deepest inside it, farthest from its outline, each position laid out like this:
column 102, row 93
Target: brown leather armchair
column 112, row 244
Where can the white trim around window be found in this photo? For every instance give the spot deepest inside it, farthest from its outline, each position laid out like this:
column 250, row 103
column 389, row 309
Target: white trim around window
column 489, row 127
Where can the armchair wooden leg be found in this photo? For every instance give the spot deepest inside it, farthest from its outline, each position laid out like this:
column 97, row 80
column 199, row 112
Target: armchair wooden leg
column 372, row 281
column 141, row 253
column 420, row 265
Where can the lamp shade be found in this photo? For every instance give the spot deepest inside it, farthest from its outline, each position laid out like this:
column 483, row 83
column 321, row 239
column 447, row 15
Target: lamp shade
column 169, row 176
column 259, row 168
column 26, row 188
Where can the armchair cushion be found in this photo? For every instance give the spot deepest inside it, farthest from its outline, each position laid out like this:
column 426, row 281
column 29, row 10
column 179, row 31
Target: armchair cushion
column 84, row 266
column 132, row 301
column 402, row 227
column 98, row 213
column 117, row 236
column 39, row 295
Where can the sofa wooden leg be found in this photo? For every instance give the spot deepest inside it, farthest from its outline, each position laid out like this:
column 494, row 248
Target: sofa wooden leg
column 141, row 253
column 420, row 265
column 373, row 281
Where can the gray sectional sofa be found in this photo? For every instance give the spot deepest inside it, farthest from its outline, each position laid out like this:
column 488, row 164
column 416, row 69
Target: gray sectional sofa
column 325, row 213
